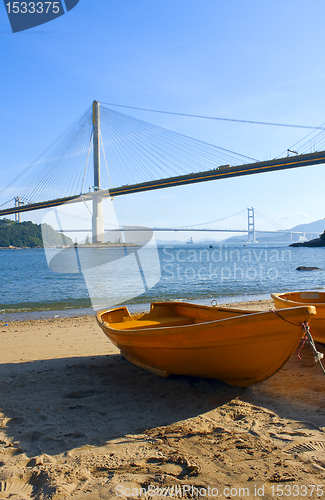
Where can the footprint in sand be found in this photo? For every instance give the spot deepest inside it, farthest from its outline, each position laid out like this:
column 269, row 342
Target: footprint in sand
column 314, row 451
column 15, row 490
column 83, row 394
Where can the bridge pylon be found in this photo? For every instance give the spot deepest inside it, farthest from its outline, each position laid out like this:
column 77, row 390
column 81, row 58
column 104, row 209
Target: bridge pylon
column 97, row 217
column 17, row 204
column 251, row 224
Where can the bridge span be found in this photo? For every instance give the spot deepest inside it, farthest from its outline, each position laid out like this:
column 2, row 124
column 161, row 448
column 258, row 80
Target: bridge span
column 219, row 173
column 216, row 226
column 142, row 144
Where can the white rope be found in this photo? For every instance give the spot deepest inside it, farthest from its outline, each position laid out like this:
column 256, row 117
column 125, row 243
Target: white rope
column 317, row 355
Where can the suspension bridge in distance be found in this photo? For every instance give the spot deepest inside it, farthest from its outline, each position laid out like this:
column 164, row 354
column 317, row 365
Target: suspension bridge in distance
column 238, row 221
column 149, row 156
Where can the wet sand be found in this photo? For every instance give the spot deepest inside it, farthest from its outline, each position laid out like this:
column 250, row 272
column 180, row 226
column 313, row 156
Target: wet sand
column 78, row 421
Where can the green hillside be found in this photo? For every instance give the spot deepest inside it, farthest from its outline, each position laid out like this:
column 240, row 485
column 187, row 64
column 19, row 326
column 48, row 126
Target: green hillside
column 27, row 234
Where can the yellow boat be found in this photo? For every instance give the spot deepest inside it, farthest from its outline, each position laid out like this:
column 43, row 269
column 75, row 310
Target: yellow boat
column 317, row 299
column 236, row 346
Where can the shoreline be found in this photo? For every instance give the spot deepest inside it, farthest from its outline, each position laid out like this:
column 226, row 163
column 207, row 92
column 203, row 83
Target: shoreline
column 78, row 245
column 133, row 308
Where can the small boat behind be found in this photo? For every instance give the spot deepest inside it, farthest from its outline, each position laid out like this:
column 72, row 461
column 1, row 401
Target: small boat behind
column 235, row 346
column 317, row 299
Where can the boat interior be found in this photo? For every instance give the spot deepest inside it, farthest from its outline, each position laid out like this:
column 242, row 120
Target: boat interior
column 303, row 297
column 167, row 314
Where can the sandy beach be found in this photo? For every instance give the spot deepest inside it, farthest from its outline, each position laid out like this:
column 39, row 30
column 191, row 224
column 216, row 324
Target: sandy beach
column 78, row 421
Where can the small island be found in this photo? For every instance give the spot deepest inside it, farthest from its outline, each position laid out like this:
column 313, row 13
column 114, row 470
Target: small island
column 317, row 242
column 29, row 235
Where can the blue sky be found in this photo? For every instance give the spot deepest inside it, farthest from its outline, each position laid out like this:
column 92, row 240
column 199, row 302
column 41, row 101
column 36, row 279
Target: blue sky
column 244, row 59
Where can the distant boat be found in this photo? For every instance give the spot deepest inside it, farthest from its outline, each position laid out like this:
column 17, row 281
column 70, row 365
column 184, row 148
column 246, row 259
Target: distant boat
column 317, row 299
column 190, row 242
column 235, row 346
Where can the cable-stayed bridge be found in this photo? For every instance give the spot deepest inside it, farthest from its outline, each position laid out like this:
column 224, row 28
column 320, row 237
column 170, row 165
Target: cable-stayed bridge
column 106, row 154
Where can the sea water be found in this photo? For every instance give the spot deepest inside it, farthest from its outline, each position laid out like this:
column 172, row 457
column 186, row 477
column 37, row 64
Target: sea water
column 189, row 272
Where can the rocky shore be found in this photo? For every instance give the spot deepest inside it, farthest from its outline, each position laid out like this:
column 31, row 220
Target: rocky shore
column 317, row 242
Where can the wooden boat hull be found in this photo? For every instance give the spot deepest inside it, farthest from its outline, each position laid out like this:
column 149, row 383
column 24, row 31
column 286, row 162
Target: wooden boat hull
column 237, row 347
column 316, row 299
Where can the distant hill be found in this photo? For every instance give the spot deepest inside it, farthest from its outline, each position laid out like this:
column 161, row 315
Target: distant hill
column 317, row 226
column 28, row 234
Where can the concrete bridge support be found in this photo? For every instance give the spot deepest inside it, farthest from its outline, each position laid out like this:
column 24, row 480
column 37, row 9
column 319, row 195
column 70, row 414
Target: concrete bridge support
column 97, row 218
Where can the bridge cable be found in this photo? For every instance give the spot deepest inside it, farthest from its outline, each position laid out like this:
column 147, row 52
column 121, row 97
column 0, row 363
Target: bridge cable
column 216, row 220
column 215, row 118
column 103, row 149
column 83, row 179
column 306, row 146
column 270, row 221
column 44, row 152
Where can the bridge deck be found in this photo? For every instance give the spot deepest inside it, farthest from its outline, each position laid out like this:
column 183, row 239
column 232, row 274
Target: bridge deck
column 222, row 172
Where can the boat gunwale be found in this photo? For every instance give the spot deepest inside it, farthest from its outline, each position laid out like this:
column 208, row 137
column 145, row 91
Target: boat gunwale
column 167, row 330
column 314, row 302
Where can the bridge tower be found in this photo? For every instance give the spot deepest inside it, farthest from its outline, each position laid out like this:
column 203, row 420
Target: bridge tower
column 17, row 204
column 251, row 224
column 97, row 217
